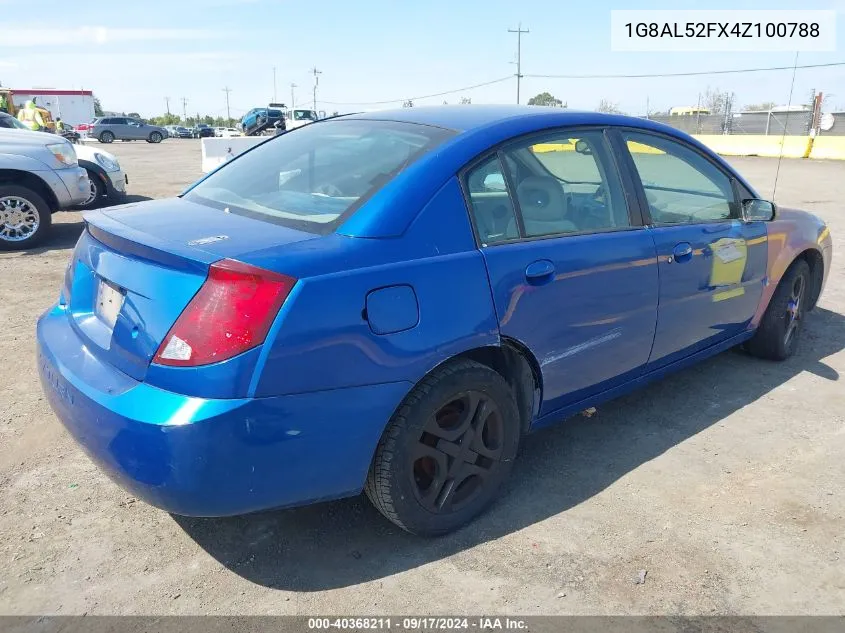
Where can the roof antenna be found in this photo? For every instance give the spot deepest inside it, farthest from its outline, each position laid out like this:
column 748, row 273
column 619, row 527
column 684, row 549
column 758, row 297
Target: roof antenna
column 785, row 124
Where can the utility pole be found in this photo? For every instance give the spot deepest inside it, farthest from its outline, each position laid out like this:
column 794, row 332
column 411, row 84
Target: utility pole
column 274, row 84
column 292, row 100
column 184, row 109
column 167, row 101
column 227, row 90
column 697, row 115
column 519, row 33
column 316, row 83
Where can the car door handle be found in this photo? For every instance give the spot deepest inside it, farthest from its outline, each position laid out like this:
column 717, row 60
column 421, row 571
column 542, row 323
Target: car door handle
column 682, row 252
column 539, row 272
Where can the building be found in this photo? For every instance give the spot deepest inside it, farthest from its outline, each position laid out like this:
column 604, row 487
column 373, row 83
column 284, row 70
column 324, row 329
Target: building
column 688, row 111
column 73, row 106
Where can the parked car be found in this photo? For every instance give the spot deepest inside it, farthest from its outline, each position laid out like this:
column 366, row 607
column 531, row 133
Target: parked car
column 171, row 130
column 39, row 174
column 203, row 131
column 183, row 132
column 107, row 180
column 395, row 315
column 218, row 131
column 109, row 129
column 229, row 132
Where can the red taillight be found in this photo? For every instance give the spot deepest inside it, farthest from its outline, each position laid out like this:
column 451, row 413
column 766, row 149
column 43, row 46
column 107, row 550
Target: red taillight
column 231, row 313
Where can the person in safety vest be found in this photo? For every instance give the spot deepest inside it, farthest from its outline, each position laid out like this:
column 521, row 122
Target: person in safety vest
column 31, row 117
column 60, row 126
column 4, row 105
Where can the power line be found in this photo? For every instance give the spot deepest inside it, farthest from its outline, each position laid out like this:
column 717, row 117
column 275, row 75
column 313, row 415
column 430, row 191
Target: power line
column 437, row 94
column 518, row 30
column 688, row 74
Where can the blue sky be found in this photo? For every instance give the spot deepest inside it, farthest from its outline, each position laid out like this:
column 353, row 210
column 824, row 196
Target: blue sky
column 133, row 56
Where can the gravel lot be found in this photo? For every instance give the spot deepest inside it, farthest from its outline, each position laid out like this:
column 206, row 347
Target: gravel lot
column 723, row 482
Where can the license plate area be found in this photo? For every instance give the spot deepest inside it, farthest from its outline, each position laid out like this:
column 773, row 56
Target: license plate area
column 109, row 302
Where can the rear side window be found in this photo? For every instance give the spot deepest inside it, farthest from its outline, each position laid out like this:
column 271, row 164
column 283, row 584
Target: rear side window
column 563, row 183
column 313, row 176
column 567, row 183
column 680, row 185
column 490, row 203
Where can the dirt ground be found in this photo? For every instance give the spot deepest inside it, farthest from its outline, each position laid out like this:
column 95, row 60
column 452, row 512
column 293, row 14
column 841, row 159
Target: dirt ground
column 724, row 483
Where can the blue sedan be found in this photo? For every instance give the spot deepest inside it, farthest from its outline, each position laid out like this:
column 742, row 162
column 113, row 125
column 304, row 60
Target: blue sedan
column 390, row 301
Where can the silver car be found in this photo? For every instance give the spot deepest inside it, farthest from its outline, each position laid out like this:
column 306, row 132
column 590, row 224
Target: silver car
column 110, row 128
column 39, row 174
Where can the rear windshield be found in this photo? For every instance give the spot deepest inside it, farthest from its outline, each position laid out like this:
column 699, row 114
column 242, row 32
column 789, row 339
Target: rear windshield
column 274, row 113
column 314, row 177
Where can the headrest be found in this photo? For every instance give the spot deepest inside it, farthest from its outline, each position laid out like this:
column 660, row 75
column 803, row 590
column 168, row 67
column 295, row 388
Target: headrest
column 541, row 198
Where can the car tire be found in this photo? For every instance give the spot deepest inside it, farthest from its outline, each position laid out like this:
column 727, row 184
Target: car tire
column 98, row 190
column 106, row 137
column 447, row 450
column 155, row 137
column 17, row 205
column 777, row 335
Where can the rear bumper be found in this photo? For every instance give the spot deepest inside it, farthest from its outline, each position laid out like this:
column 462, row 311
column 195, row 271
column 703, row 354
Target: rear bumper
column 206, row 457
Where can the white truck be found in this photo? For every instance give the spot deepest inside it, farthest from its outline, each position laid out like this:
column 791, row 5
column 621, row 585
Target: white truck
column 297, row 117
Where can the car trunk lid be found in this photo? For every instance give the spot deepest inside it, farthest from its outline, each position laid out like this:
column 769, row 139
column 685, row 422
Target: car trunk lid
column 136, row 268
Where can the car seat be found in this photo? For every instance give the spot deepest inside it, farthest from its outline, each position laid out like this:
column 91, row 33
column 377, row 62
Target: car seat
column 544, row 206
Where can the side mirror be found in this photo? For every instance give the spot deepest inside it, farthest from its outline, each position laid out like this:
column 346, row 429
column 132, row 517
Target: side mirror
column 495, row 182
column 755, row 210
column 582, row 147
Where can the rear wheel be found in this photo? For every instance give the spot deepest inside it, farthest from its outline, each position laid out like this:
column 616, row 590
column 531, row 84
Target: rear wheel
column 106, row 137
column 24, row 218
column 447, row 450
column 155, row 137
column 777, row 335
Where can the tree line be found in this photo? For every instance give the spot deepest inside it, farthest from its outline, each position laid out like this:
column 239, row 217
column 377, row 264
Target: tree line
column 173, row 119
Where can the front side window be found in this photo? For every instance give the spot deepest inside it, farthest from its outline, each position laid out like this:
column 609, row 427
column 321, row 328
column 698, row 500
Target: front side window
column 309, row 178
column 680, row 185
column 567, row 183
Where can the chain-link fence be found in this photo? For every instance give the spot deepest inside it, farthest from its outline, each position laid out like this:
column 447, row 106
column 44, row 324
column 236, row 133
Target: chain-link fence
column 796, row 123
